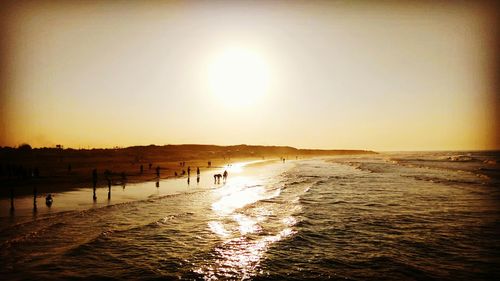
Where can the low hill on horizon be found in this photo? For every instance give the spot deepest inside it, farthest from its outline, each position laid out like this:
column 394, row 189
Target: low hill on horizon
column 179, row 151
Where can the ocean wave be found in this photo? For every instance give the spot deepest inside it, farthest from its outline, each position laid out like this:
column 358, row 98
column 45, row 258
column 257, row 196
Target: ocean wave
column 32, row 235
column 445, row 158
column 436, row 174
column 342, row 223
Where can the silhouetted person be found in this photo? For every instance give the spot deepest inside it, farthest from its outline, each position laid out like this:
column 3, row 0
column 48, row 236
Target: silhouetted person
column 198, row 171
column 189, row 180
column 198, row 179
column 189, row 171
column 109, row 189
column 157, row 183
column 142, row 169
column 49, row 200
column 224, row 176
column 94, row 177
column 158, row 171
column 217, row 178
column 94, row 182
column 35, row 193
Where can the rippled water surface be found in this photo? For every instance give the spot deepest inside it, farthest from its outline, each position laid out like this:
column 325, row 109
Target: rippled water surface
column 388, row 216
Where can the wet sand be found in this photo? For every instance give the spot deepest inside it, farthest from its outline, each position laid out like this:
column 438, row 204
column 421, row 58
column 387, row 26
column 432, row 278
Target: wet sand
column 138, row 189
column 52, row 170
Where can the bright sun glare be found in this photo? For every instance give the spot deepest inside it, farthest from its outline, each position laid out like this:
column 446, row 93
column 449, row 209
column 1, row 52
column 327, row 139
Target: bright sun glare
column 239, row 77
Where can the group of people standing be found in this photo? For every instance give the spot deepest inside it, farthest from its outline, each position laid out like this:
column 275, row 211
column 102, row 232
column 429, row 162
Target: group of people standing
column 189, row 174
column 217, row 177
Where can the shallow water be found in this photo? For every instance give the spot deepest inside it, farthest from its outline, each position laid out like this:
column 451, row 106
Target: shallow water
column 389, row 216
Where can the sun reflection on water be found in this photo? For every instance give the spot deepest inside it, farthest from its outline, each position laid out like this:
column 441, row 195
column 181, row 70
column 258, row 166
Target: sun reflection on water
column 237, row 168
column 238, row 199
column 246, row 224
column 240, row 257
column 218, row 228
column 238, row 217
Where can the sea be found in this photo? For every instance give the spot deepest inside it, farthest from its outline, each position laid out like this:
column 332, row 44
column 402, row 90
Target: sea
column 385, row 216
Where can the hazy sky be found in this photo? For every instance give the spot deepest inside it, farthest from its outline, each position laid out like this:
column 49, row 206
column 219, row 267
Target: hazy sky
column 310, row 75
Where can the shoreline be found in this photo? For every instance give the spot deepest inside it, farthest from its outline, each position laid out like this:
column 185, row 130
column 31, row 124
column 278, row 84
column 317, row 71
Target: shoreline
column 77, row 180
column 55, row 170
column 79, row 199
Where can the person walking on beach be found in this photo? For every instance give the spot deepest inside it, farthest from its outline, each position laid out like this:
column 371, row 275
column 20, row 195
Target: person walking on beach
column 109, row 189
column 224, row 175
column 197, row 174
column 94, row 183
column 189, row 171
column 35, row 192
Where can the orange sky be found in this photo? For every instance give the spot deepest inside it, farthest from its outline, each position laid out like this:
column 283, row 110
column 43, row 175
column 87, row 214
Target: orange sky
column 306, row 74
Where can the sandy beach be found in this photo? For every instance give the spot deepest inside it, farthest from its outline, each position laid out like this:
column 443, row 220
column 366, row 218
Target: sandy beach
column 60, row 170
column 141, row 188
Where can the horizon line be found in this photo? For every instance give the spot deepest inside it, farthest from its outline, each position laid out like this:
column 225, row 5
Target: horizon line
column 243, row 144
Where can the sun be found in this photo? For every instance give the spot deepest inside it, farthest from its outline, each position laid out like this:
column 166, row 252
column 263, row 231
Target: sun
column 238, row 77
